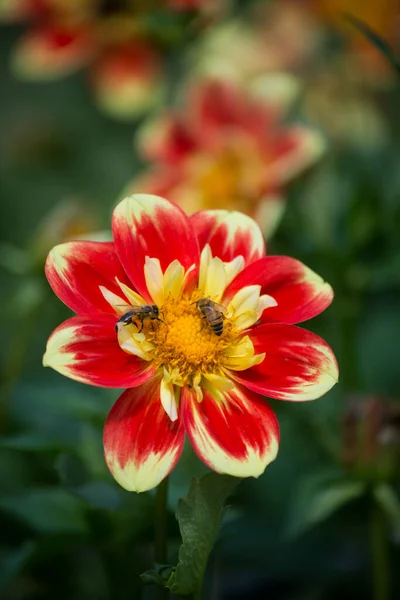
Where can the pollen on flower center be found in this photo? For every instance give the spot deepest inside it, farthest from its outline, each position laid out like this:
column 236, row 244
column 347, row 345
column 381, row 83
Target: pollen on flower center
column 186, row 342
column 191, row 339
column 182, row 338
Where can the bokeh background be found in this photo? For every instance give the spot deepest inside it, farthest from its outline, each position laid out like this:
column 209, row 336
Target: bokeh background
column 85, row 86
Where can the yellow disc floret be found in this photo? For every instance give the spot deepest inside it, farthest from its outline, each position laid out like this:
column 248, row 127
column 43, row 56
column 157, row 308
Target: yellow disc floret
column 183, row 345
column 188, row 345
column 185, row 342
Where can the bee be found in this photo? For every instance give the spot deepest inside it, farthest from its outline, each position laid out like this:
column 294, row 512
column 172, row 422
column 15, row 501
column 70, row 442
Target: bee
column 141, row 313
column 212, row 313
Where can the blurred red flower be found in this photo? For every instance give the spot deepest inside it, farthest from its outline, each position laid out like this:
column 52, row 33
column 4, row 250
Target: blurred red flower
column 227, row 148
column 127, row 66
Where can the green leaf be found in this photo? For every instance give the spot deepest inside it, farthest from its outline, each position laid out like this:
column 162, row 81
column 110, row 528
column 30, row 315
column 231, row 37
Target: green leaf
column 49, row 402
column 48, row 510
column 71, row 471
column 13, row 259
column 199, row 515
column 158, row 576
column 27, row 299
column 101, row 495
column 389, row 502
column 376, row 40
column 318, row 498
column 32, row 442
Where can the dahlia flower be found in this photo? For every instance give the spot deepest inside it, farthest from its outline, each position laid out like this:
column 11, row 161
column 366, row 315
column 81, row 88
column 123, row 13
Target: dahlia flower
column 228, row 148
column 183, row 377
column 126, row 67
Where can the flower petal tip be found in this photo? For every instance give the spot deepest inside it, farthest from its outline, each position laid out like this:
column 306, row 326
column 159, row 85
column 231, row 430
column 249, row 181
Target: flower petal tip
column 45, row 361
column 238, row 437
column 141, row 446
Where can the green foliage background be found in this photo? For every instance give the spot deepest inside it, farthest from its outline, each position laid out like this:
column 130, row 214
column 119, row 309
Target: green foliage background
column 305, row 529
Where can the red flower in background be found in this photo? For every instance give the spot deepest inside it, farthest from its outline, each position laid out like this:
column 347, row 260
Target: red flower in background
column 184, row 375
column 227, row 148
column 127, row 76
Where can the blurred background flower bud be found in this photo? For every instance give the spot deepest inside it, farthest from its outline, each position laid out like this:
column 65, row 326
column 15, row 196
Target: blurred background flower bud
column 128, row 80
column 68, row 220
column 126, row 65
column 371, row 437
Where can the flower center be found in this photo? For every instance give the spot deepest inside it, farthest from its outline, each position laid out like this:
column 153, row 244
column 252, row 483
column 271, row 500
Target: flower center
column 222, row 176
column 231, row 177
column 186, row 342
column 190, row 339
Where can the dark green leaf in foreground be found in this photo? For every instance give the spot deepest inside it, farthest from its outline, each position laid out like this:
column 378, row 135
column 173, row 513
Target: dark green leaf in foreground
column 199, row 515
column 376, row 40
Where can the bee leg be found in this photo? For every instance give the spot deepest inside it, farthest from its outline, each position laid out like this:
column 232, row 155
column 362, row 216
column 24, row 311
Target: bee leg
column 152, row 322
column 202, row 324
column 141, row 325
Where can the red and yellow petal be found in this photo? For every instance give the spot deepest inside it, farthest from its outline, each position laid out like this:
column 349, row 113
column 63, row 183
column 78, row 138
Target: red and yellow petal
column 141, row 444
column 300, row 293
column 216, row 105
column 87, row 350
column 229, row 234
column 290, row 152
column 166, row 139
column 239, row 436
column 268, row 212
column 145, row 225
column 298, row 366
column 76, row 270
column 53, row 52
column 128, row 81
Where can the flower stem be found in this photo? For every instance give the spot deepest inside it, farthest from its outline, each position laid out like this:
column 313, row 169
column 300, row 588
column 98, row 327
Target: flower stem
column 161, row 523
column 379, row 554
column 161, row 515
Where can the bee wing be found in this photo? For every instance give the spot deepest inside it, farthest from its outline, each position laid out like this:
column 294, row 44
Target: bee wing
column 134, row 307
column 219, row 307
column 137, row 310
column 122, row 309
